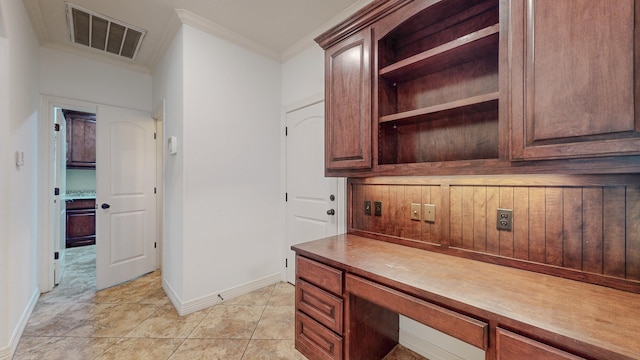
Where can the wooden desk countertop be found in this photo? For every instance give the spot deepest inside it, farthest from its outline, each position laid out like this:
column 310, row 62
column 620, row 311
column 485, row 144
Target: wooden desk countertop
column 595, row 320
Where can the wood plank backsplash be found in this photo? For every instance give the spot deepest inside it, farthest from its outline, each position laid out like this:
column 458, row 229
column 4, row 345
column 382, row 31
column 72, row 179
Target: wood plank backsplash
column 589, row 224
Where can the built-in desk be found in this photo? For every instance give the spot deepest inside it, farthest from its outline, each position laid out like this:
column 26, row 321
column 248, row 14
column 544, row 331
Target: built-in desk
column 363, row 284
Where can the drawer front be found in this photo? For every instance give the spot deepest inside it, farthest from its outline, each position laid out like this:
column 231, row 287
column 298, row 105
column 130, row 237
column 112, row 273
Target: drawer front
column 316, row 341
column 321, row 275
column 460, row 326
column 320, row 305
column 81, row 204
column 514, row 346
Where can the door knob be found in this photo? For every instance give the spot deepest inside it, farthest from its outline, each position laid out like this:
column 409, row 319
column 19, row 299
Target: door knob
column 106, row 206
column 331, row 212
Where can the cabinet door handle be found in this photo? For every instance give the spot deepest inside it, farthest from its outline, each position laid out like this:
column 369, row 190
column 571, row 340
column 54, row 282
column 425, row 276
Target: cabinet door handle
column 106, row 206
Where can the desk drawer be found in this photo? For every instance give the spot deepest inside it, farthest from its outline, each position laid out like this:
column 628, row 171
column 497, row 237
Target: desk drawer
column 514, row 346
column 320, row 305
column 460, row 326
column 321, row 275
column 316, row 341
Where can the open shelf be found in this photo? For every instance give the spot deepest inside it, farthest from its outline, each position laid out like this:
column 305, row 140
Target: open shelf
column 466, row 48
column 472, row 104
column 438, row 90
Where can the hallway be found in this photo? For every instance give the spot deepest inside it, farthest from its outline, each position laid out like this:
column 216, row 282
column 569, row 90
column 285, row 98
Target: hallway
column 136, row 320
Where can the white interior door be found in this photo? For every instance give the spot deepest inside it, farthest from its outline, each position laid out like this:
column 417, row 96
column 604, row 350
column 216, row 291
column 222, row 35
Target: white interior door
column 60, row 208
column 125, row 196
column 310, row 195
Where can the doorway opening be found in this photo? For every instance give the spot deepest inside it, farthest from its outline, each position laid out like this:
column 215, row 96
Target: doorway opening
column 123, row 225
column 75, row 168
column 52, row 198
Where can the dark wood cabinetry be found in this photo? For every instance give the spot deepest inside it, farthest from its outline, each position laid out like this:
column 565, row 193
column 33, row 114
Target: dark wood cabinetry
column 484, row 87
column 81, row 222
column 319, row 309
column 514, row 346
column 509, row 313
column 576, row 86
column 437, row 84
column 81, row 140
column 348, row 103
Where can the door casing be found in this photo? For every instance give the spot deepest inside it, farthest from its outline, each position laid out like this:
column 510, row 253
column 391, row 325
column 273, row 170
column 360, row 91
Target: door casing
column 46, row 182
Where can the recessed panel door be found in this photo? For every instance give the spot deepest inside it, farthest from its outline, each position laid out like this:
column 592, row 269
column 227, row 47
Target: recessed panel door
column 312, row 204
column 125, row 198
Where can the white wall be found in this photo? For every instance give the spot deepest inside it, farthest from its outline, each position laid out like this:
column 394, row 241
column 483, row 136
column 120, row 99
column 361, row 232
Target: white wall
column 303, row 76
column 168, row 87
column 19, row 119
column 81, row 78
column 231, row 148
column 4, row 181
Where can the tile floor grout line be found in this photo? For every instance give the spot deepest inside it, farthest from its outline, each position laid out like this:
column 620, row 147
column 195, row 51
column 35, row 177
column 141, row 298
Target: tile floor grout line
column 78, row 296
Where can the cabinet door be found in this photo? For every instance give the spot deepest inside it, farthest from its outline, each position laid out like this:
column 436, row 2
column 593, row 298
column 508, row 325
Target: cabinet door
column 81, row 227
column 81, row 140
column 575, row 78
column 348, row 103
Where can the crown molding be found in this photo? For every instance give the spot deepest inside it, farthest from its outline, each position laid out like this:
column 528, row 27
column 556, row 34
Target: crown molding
column 308, row 41
column 168, row 35
column 185, row 17
column 37, row 20
column 208, row 26
column 101, row 57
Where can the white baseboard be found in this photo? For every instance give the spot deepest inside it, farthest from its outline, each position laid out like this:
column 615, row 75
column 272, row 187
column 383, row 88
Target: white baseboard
column 6, row 352
column 173, row 296
column 435, row 345
column 191, row 306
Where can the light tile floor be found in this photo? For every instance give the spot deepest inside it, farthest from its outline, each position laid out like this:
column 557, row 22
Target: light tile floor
column 136, row 320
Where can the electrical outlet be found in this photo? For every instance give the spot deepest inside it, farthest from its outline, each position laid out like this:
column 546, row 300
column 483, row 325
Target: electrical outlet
column 505, row 219
column 429, row 212
column 367, row 207
column 378, row 208
column 415, row 212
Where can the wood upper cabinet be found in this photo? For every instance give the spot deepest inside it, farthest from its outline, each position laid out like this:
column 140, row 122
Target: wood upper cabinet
column 413, row 82
column 81, row 140
column 437, row 83
column 348, row 103
column 575, row 82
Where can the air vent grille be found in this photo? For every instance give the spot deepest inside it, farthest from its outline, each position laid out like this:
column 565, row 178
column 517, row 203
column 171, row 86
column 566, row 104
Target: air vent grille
column 103, row 33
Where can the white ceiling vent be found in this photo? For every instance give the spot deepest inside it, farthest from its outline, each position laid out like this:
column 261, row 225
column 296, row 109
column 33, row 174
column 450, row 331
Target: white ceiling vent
column 103, row 33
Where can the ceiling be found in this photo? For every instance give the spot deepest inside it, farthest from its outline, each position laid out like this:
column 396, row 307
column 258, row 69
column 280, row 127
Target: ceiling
column 275, row 28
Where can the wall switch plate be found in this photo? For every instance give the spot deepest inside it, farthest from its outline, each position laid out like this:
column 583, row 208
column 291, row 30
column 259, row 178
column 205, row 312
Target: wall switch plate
column 415, row 211
column 367, row 207
column 429, row 212
column 378, row 208
column 505, row 219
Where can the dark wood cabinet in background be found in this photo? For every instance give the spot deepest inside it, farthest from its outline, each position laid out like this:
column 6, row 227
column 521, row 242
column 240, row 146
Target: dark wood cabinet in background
column 576, row 87
column 81, row 140
column 81, row 222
